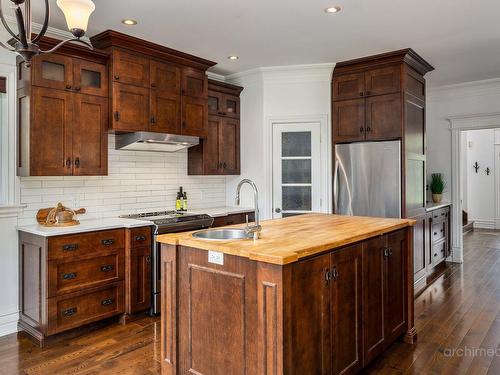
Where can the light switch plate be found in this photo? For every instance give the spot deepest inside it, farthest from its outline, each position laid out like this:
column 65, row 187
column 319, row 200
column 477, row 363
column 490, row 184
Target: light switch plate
column 216, row 257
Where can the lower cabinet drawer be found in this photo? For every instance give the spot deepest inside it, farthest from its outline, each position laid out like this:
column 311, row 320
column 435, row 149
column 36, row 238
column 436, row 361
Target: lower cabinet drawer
column 438, row 231
column 438, row 252
column 76, row 309
column 67, row 275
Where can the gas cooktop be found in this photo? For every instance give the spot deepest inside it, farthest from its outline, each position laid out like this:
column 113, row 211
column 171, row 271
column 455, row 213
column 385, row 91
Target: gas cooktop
column 164, row 218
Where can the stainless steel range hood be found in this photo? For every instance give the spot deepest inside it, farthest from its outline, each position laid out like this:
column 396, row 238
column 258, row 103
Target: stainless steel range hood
column 160, row 142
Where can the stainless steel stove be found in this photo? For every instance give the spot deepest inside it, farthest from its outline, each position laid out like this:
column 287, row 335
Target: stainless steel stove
column 168, row 222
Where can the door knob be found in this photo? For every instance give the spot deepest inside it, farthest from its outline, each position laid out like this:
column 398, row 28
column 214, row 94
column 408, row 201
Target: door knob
column 277, row 210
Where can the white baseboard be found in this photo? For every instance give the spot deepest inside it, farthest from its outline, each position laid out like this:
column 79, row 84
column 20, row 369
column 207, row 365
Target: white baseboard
column 484, row 224
column 8, row 324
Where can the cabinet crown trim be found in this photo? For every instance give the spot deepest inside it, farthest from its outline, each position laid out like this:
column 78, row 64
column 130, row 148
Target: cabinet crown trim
column 407, row 55
column 111, row 38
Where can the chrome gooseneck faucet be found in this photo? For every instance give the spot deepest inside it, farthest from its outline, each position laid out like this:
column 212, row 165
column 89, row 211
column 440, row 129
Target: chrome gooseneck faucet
column 253, row 230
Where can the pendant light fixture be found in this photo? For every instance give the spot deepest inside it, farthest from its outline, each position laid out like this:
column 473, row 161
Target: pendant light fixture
column 76, row 12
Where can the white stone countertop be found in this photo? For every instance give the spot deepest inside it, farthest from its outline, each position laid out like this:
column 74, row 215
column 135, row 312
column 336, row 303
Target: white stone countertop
column 434, row 206
column 86, row 225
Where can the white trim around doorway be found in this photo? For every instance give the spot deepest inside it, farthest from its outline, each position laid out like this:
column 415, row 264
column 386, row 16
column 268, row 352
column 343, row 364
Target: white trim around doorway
column 457, row 125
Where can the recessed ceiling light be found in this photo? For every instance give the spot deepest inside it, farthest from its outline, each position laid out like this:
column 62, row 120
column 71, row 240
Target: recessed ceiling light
column 334, row 9
column 233, row 57
column 129, row 22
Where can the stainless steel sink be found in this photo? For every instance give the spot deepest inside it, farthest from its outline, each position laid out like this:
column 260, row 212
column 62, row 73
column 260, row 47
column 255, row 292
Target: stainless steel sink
column 222, row 234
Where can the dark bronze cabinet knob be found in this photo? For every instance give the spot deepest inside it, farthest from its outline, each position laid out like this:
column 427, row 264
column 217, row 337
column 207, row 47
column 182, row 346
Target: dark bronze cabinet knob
column 117, row 77
column 68, row 87
column 361, row 94
column 77, row 162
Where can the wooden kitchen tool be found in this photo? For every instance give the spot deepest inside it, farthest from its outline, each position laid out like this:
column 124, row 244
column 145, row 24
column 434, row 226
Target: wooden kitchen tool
column 59, row 216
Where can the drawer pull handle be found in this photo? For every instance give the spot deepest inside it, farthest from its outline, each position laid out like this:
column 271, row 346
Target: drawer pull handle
column 107, row 268
column 148, row 259
column 107, row 301
column 69, row 312
column 69, row 276
column 140, row 238
column 108, row 242
column 70, row 247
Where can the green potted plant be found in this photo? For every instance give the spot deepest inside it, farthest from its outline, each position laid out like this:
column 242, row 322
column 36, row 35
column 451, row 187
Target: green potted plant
column 437, row 187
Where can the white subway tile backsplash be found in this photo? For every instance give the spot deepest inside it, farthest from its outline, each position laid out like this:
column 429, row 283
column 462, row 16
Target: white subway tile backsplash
column 137, row 181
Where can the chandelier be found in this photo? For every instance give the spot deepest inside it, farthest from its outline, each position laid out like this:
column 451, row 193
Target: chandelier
column 76, row 12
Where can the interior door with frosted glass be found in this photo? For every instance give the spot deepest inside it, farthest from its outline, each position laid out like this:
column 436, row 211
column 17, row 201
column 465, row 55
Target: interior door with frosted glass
column 296, row 169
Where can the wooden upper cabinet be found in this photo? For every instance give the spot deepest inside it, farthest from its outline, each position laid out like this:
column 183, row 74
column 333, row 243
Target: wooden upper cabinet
column 130, row 107
column 231, row 106
column 386, row 80
column 90, row 78
column 347, row 322
column 215, row 100
column 229, row 146
column 50, row 132
column 349, row 86
column 194, row 83
column 165, row 98
column 219, row 151
column 349, row 120
column 165, row 78
column 194, row 116
column 130, row 68
column 90, row 139
column 384, row 117
column 53, row 71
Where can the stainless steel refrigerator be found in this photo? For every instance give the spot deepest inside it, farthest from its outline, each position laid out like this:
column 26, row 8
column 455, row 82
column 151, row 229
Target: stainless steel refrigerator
column 367, row 179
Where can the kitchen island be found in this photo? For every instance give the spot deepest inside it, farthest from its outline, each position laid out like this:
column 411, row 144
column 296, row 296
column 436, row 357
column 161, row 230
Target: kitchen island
column 316, row 294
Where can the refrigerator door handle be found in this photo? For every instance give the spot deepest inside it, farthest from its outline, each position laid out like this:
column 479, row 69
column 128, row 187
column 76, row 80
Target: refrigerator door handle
column 339, row 169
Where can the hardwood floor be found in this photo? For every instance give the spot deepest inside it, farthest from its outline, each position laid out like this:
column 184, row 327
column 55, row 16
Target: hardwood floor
column 461, row 309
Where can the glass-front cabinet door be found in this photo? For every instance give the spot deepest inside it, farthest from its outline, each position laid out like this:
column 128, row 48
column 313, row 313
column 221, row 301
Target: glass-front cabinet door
column 296, row 169
column 214, row 103
column 53, row 71
column 231, row 106
column 90, row 78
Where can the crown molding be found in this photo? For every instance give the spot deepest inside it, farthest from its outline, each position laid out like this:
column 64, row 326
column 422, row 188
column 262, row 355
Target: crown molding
column 474, row 121
column 472, row 86
column 216, row 76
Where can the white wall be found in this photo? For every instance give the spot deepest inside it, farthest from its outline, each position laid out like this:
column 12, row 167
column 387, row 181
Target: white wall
column 293, row 92
column 480, row 187
column 442, row 102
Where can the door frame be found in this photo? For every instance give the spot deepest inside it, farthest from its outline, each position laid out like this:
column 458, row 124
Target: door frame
column 457, row 125
column 325, row 156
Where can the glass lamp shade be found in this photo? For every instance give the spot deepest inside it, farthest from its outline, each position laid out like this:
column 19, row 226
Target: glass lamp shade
column 77, row 13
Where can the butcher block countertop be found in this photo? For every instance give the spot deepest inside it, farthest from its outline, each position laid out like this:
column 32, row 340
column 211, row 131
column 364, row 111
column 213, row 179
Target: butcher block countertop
column 288, row 240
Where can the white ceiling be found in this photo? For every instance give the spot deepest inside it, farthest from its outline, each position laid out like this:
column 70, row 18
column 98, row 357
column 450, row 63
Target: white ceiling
column 461, row 38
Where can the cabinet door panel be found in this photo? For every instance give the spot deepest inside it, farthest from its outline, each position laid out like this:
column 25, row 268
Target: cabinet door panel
column 53, row 71
column 90, row 138
column 395, row 315
column 229, row 145
column 165, row 112
column 231, row 106
column 211, row 162
column 383, row 80
column 140, row 278
column 90, row 78
column 383, row 117
column 50, row 134
column 194, row 116
column 420, row 247
column 215, row 100
column 373, row 298
column 194, row 83
column 348, row 86
column 130, row 107
column 310, row 317
column 349, row 120
column 165, row 78
column 347, row 315
column 130, row 68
